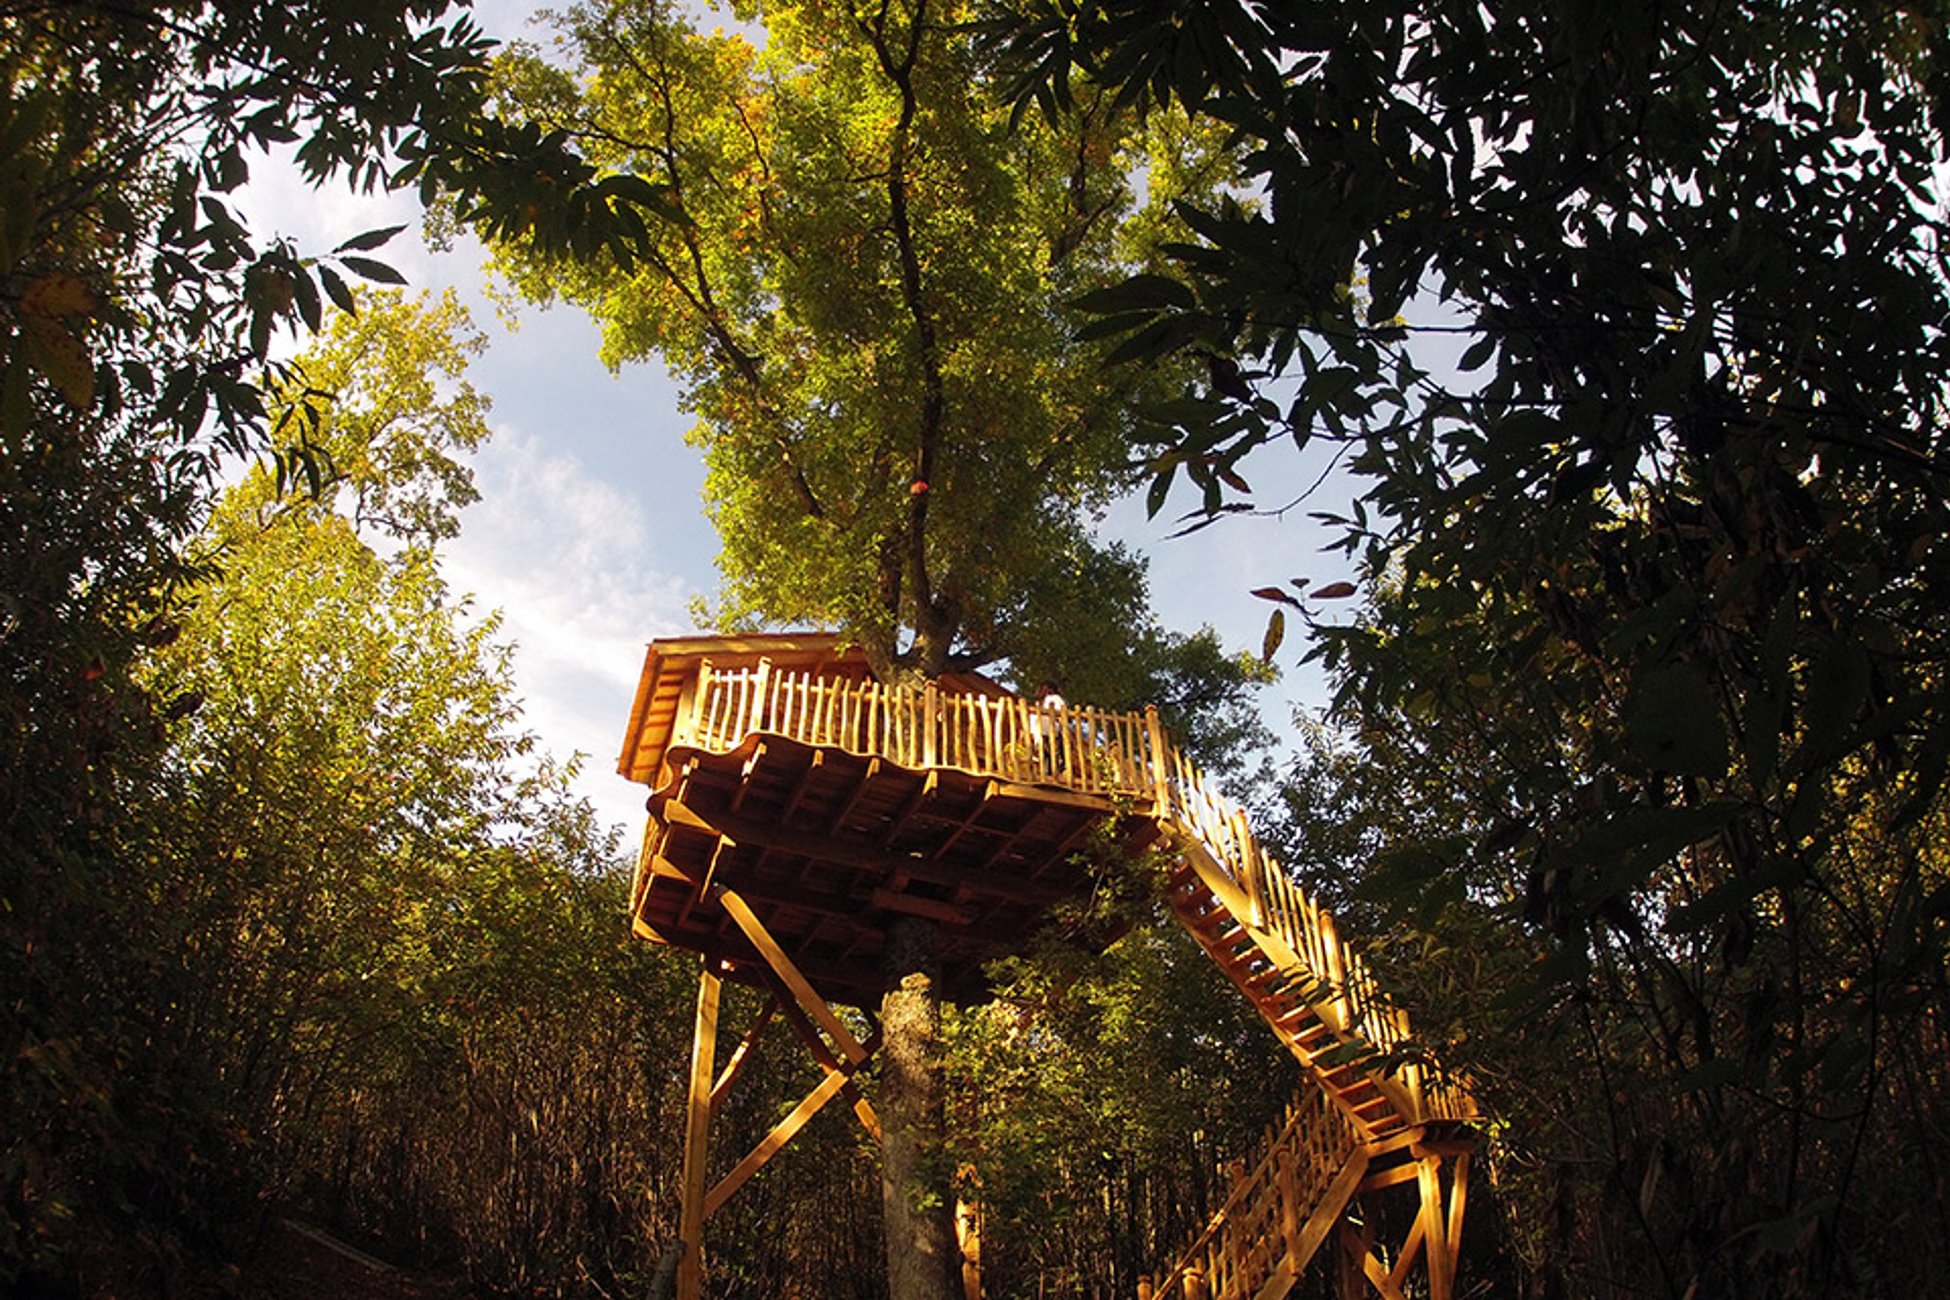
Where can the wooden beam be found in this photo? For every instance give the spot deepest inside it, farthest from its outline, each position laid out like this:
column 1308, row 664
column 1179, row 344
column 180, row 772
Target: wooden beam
column 1389, row 1178
column 783, row 1132
column 1411, row 1250
column 817, row 847
column 745, row 776
column 802, row 991
column 742, row 1052
column 838, row 823
column 1357, row 1251
column 800, row 786
column 1046, row 795
column 922, row 793
column 1458, row 1195
column 821, row 1053
column 773, row 1142
column 1333, row 1203
column 697, row 1136
column 933, row 909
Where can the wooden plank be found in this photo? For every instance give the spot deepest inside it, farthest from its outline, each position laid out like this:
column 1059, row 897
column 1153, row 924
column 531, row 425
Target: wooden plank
column 801, row 989
column 800, row 786
column 694, row 1208
column 933, row 909
column 775, row 1141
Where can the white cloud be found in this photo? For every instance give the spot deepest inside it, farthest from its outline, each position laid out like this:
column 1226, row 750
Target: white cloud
column 561, row 553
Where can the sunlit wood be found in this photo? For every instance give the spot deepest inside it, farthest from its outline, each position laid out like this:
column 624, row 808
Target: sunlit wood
column 697, row 1136
column 799, row 808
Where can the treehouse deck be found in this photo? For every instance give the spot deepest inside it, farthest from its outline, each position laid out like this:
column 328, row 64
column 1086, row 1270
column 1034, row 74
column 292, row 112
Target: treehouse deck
column 798, row 809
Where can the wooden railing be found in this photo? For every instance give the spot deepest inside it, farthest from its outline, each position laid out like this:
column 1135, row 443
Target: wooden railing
column 1089, row 751
column 1262, row 1220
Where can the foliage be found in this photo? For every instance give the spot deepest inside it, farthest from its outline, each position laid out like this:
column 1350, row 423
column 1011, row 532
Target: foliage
column 862, row 305
column 137, row 315
column 1100, row 1095
column 1659, row 589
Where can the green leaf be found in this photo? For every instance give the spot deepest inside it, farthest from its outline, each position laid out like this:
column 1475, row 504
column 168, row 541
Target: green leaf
column 368, row 241
column 337, row 290
column 1673, row 723
column 369, row 269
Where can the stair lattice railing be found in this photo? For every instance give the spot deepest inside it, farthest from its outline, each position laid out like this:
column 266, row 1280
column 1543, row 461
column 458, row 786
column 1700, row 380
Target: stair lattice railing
column 1088, row 751
column 1261, row 1225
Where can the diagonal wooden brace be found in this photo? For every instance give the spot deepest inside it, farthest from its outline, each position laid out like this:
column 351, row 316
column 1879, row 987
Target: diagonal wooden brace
column 743, row 1052
column 796, row 983
column 831, row 1064
column 783, row 1132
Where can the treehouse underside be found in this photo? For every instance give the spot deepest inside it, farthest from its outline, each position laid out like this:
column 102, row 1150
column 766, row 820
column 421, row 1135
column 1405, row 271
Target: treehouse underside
column 828, row 849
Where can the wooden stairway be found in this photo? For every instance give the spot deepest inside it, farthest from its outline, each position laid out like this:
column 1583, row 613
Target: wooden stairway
column 1363, row 1123
column 834, row 802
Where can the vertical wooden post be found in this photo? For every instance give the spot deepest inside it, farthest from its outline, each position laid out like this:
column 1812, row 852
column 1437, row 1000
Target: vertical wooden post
column 697, row 1135
column 1160, row 781
column 761, row 684
column 703, row 688
column 968, row 1236
column 930, row 720
column 1458, row 1197
column 1435, row 1241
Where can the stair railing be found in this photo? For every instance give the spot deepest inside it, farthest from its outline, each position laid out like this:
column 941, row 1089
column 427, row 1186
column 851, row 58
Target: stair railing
column 1260, row 1223
column 1089, row 751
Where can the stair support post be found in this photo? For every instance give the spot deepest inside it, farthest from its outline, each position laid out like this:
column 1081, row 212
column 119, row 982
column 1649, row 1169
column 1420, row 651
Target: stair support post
column 697, row 1135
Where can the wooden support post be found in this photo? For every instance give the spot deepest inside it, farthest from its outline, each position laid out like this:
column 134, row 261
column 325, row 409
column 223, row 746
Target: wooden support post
column 1458, row 1194
column 697, row 1136
column 1433, row 1227
column 968, row 1236
column 1154, row 728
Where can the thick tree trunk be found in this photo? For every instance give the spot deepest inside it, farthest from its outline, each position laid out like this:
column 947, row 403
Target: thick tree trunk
column 916, row 1195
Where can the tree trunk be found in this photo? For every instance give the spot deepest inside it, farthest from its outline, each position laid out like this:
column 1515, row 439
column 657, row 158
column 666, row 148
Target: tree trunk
column 916, row 1194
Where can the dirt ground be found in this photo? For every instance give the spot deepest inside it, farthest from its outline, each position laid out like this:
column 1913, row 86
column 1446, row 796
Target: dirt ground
column 303, row 1263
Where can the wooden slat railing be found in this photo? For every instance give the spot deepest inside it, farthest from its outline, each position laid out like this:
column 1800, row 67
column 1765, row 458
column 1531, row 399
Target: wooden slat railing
column 1261, row 1223
column 1089, row 751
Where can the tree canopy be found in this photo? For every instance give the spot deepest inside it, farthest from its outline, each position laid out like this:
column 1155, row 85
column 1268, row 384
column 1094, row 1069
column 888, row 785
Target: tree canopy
column 1655, row 569
column 863, row 303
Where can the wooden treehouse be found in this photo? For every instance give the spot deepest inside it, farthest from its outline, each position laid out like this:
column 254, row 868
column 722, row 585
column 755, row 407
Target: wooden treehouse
column 798, row 808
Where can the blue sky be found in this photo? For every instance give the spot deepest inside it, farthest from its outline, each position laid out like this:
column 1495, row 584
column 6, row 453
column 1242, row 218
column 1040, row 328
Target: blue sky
column 590, row 536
